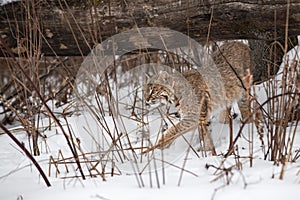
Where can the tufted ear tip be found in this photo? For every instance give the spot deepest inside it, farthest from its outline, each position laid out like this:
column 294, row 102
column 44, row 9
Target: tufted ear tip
column 164, row 75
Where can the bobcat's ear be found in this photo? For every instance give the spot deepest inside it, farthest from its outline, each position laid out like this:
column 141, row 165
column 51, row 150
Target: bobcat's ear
column 164, row 75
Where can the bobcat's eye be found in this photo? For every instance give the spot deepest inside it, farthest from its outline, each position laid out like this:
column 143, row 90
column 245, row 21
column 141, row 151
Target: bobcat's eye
column 164, row 96
column 149, row 93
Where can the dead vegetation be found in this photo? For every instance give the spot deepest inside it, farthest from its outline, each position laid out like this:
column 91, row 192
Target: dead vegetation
column 35, row 87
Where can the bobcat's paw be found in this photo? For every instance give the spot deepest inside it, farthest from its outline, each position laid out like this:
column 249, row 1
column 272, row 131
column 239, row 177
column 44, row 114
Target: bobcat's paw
column 164, row 142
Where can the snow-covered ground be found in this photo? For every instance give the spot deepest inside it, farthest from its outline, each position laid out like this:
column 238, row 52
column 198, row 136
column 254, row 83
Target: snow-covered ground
column 19, row 178
column 188, row 176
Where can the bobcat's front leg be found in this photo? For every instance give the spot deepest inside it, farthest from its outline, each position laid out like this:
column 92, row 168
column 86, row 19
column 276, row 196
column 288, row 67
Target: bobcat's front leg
column 171, row 134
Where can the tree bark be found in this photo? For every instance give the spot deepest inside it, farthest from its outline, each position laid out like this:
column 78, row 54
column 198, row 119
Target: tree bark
column 267, row 57
column 75, row 28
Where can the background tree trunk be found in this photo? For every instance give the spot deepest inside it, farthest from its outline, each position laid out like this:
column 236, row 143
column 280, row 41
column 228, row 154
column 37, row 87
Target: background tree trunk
column 76, row 27
column 267, row 56
column 73, row 28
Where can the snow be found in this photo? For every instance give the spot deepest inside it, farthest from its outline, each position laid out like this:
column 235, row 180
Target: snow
column 19, row 179
column 3, row 2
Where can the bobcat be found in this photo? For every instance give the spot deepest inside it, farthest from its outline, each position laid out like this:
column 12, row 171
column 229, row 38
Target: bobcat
column 195, row 105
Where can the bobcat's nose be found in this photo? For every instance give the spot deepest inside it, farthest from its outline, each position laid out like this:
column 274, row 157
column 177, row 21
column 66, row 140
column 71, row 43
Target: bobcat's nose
column 147, row 100
column 150, row 102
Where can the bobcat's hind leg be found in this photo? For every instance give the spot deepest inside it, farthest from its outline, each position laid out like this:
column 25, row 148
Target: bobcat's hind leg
column 247, row 110
column 224, row 116
column 243, row 105
column 206, row 142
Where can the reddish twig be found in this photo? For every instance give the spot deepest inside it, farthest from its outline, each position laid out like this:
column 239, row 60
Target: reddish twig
column 27, row 153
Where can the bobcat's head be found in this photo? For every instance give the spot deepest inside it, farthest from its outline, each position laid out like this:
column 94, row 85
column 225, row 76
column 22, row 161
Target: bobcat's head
column 159, row 89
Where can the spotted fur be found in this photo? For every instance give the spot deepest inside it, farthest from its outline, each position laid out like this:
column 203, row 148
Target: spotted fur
column 191, row 96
